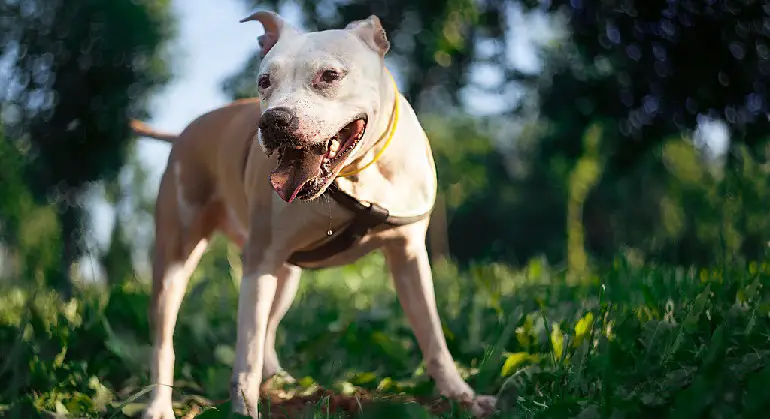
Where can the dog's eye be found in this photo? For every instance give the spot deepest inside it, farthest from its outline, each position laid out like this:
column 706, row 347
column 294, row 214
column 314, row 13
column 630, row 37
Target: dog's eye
column 264, row 81
column 329, row 76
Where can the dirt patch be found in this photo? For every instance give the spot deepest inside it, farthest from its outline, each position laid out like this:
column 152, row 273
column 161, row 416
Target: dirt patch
column 280, row 405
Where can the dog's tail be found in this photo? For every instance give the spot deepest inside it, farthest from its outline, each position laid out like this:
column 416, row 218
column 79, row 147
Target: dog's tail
column 143, row 130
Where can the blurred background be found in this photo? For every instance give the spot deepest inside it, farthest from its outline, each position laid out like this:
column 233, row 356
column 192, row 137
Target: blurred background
column 569, row 136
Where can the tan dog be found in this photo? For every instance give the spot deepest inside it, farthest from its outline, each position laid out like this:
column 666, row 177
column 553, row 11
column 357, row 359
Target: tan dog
column 300, row 177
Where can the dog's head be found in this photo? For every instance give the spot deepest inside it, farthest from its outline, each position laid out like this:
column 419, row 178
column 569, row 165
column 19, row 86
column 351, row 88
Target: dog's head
column 319, row 91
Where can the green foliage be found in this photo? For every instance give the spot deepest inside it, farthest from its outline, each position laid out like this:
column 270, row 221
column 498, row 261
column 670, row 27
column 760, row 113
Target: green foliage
column 78, row 71
column 583, row 177
column 96, row 75
column 634, row 342
column 671, row 62
column 471, row 175
column 649, row 71
column 28, row 230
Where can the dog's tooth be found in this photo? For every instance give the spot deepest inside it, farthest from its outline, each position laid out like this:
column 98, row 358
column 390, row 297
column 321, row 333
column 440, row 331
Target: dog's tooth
column 334, row 146
column 332, row 153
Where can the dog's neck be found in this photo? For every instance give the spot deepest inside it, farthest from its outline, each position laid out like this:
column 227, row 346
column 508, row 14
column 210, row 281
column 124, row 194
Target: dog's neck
column 378, row 136
column 402, row 179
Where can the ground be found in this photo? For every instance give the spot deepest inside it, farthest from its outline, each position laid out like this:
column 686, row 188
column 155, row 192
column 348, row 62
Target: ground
column 631, row 340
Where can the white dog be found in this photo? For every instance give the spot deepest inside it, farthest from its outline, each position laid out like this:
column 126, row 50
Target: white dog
column 328, row 121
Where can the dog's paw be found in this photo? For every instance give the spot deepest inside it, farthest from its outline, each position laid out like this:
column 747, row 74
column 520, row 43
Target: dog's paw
column 483, row 406
column 159, row 411
column 282, row 376
column 242, row 405
column 241, row 410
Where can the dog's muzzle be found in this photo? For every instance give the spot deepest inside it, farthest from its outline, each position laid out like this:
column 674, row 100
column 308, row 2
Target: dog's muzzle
column 305, row 167
column 279, row 128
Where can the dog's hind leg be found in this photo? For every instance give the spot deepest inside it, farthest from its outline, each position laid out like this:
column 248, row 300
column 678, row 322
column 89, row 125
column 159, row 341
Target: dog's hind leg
column 178, row 248
column 288, row 278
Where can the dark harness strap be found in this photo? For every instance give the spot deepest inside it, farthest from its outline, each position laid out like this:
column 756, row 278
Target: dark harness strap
column 365, row 218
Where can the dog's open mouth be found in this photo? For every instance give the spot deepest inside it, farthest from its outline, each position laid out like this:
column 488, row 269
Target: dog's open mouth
column 304, row 172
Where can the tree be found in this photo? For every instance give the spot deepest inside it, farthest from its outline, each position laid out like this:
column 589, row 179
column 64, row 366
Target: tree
column 673, row 61
column 650, row 70
column 79, row 69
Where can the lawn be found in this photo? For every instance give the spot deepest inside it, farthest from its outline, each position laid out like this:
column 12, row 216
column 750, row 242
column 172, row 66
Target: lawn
column 632, row 342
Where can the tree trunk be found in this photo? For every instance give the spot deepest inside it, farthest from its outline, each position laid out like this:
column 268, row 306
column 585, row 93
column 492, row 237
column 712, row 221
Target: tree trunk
column 69, row 217
column 438, row 236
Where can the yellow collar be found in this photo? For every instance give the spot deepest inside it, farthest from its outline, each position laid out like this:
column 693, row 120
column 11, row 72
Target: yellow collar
column 389, row 132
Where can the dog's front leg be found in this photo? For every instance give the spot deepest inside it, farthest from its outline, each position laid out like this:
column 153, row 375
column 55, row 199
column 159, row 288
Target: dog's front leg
column 409, row 264
column 261, row 268
column 257, row 292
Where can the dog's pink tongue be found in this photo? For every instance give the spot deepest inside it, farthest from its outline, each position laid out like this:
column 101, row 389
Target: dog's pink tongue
column 295, row 169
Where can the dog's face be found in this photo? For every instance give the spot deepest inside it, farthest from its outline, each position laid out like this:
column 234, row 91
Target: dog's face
column 318, row 93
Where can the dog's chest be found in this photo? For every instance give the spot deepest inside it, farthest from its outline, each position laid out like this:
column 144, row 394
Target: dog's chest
column 316, row 234
column 311, row 232
column 339, row 248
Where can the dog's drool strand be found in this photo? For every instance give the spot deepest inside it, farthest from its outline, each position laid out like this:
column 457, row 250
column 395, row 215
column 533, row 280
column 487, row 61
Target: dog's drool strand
column 329, row 232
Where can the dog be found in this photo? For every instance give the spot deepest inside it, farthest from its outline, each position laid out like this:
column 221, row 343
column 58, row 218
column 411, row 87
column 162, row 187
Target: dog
column 326, row 165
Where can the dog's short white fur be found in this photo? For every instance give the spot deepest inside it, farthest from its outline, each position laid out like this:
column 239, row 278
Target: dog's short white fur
column 217, row 179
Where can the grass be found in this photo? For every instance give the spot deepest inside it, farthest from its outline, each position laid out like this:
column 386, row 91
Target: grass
column 634, row 342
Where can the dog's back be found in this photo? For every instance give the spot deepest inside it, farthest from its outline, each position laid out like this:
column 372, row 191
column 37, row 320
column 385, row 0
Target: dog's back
column 193, row 160
column 211, row 132
column 199, row 187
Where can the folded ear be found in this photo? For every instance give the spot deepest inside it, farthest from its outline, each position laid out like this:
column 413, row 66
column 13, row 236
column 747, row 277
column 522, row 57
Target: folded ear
column 275, row 28
column 371, row 32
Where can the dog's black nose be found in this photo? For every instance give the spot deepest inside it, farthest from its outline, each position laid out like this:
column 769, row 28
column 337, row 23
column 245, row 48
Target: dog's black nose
column 281, row 119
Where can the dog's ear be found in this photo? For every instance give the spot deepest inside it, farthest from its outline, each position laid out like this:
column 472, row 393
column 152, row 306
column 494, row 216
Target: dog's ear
column 371, row 32
column 275, row 27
